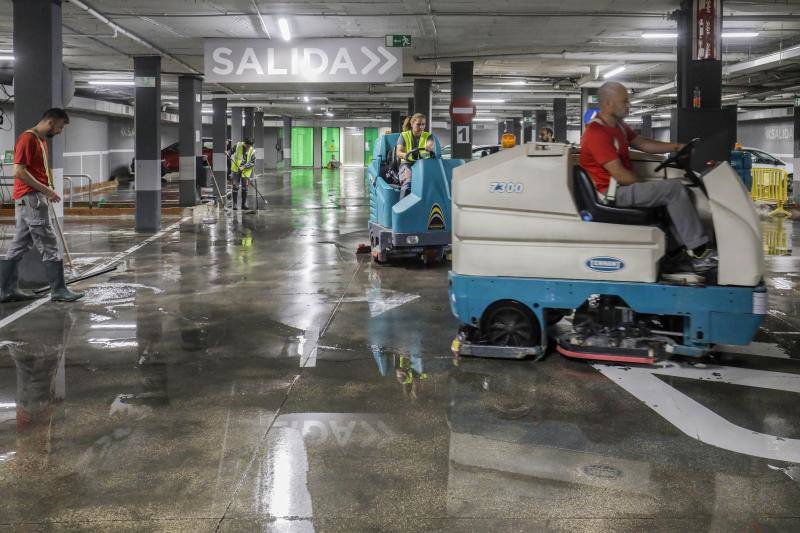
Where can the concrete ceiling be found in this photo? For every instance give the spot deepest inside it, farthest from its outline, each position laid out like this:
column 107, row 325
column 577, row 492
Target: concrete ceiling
column 541, row 42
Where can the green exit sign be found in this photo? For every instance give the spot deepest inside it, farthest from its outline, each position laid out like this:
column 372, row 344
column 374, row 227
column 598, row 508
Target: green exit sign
column 8, row 157
column 398, row 41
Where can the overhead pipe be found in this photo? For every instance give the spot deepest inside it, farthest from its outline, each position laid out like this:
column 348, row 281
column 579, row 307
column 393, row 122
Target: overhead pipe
column 117, row 28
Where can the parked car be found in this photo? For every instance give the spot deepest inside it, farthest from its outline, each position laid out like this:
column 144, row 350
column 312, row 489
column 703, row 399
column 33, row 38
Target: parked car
column 171, row 157
column 477, row 151
column 762, row 159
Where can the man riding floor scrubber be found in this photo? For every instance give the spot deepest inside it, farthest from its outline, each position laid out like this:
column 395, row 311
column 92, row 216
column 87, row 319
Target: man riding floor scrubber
column 532, row 243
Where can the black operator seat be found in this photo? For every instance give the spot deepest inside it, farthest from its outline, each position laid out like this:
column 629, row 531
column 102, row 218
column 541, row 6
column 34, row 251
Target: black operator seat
column 389, row 168
column 588, row 203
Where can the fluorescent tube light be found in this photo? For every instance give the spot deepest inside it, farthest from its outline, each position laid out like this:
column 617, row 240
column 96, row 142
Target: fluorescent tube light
column 738, row 34
column 613, row 72
column 283, row 25
column 121, row 83
column 659, row 35
column 6, row 57
column 488, row 101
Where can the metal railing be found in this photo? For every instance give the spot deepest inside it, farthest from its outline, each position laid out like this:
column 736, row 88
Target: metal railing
column 68, row 177
column 771, row 185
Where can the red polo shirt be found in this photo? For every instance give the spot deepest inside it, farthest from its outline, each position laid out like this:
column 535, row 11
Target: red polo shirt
column 28, row 152
column 602, row 144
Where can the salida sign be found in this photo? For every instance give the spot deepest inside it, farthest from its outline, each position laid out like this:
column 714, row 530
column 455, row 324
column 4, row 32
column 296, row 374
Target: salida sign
column 301, row 61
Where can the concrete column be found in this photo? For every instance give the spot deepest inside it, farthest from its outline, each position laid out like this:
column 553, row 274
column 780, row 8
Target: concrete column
column 38, row 77
column 287, row 143
column 501, row 129
column 258, row 140
column 588, row 101
column 190, row 142
column 422, row 100
column 397, row 121
column 796, row 145
column 410, row 107
column 560, row 119
column 527, row 126
column 247, row 133
column 237, row 131
column 147, row 113
column 693, row 69
column 319, row 161
column 461, row 89
column 219, row 129
column 539, row 123
column 516, row 129
column 647, row 126
column 258, row 144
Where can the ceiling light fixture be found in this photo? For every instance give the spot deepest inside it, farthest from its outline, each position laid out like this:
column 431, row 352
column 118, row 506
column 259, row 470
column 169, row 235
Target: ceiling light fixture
column 488, row 101
column 614, row 71
column 725, row 35
column 659, row 35
column 283, row 25
column 308, row 108
column 121, row 83
column 6, row 58
column 738, row 34
column 305, row 99
column 484, row 119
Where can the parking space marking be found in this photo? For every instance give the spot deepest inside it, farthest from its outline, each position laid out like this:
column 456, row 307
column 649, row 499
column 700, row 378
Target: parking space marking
column 700, row 422
column 10, row 319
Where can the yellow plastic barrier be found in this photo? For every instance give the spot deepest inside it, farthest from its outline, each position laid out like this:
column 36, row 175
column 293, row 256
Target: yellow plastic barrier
column 771, row 185
column 776, row 239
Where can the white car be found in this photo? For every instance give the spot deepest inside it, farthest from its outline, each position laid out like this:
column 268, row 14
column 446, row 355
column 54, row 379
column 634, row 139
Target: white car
column 762, row 159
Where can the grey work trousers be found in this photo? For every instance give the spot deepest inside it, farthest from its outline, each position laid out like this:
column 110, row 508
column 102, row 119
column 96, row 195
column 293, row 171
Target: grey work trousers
column 33, row 228
column 238, row 181
column 686, row 226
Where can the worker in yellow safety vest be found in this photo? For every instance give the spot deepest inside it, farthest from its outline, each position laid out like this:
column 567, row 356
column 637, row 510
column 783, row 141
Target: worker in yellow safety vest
column 243, row 160
column 414, row 143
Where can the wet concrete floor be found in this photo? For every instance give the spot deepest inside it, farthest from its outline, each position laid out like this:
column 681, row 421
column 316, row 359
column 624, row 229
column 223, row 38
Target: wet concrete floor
column 255, row 375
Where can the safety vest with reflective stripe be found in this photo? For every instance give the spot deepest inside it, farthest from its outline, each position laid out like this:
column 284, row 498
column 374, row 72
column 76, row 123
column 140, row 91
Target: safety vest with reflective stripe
column 240, row 159
column 408, row 137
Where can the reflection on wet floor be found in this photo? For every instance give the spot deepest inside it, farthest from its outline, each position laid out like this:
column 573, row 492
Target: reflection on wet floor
column 255, row 374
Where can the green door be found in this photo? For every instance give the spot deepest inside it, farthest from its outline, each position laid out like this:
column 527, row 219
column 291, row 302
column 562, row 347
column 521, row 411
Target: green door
column 302, row 147
column 370, row 136
column 330, row 145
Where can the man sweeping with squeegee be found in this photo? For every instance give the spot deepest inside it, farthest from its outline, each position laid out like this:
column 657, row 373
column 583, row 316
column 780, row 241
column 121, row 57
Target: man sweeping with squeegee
column 33, row 194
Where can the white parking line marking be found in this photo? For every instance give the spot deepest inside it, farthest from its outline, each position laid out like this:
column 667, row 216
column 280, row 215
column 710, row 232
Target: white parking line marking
column 700, row 422
column 117, row 258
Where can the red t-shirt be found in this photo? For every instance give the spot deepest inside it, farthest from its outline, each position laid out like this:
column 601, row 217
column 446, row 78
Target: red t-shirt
column 28, row 152
column 601, row 144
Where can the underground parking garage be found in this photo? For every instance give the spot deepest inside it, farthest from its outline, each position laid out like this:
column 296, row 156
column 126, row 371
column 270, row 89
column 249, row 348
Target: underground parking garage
column 415, row 266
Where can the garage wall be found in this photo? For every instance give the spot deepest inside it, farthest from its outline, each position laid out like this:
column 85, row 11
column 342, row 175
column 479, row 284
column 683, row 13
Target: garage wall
column 772, row 136
column 86, row 147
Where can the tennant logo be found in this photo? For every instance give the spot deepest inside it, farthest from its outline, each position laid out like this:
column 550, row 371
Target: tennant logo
column 436, row 218
column 605, row 264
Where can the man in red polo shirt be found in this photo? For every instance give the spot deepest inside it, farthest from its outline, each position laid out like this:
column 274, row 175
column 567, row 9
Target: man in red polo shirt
column 605, row 157
column 32, row 193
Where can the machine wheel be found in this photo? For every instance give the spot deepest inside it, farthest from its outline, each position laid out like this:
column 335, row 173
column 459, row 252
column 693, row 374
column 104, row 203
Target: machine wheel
column 509, row 323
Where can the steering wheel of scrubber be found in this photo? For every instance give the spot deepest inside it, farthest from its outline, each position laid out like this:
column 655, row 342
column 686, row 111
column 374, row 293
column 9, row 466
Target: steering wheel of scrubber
column 681, row 159
column 415, row 153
